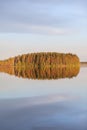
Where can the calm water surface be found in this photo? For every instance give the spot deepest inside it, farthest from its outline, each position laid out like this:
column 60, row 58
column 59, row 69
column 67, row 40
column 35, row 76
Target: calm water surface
column 43, row 104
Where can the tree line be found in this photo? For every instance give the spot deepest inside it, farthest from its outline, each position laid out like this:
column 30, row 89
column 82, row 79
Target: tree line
column 43, row 59
column 42, row 65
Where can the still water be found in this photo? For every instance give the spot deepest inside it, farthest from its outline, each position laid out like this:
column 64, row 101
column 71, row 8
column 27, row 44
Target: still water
column 27, row 104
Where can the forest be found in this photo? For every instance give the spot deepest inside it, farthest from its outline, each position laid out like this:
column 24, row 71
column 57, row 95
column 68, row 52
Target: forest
column 43, row 59
column 42, row 65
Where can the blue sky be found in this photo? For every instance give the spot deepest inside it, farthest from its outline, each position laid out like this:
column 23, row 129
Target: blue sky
column 43, row 25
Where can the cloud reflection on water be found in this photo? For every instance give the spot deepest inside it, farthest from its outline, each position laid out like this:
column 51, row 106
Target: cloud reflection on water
column 47, row 112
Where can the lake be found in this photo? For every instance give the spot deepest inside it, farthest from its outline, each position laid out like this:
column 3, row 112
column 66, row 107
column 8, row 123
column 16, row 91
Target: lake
column 28, row 104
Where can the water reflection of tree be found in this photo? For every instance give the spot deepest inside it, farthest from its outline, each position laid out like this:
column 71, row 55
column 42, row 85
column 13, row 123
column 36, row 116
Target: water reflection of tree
column 45, row 72
column 48, row 72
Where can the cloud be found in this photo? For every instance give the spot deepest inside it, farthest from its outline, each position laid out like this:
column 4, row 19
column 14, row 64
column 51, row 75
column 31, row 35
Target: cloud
column 45, row 29
column 37, row 29
column 42, row 16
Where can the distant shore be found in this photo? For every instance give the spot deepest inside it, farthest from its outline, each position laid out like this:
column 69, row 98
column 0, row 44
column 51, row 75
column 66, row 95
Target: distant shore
column 83, row 64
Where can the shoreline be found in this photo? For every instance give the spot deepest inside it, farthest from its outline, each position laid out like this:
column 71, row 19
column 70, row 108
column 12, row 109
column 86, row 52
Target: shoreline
column 83, row 64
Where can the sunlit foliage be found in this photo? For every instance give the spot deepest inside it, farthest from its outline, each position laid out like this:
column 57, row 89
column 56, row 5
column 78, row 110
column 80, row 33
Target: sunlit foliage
column 42, row 65
column 47, row 59
column 42, row 59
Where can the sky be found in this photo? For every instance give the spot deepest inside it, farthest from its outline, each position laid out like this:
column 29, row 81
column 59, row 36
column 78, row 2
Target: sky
column 43, row 25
